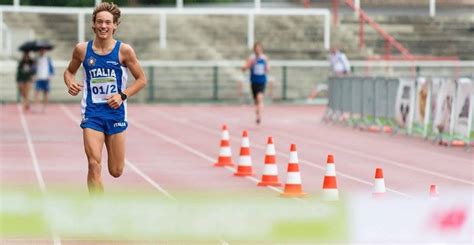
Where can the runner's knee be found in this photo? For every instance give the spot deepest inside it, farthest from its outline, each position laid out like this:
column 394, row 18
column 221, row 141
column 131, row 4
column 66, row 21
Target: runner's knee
column 116, row 171
column 94, row 167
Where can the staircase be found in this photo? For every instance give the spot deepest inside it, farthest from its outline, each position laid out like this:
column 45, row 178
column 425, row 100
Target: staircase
column 441, row 36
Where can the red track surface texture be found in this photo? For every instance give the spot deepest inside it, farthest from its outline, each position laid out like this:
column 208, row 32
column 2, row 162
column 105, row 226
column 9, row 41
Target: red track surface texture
column 172, row 148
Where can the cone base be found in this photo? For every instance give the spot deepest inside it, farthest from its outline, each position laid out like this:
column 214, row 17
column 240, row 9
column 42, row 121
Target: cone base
column 269, row 184
column 223, row 164
column 458, row 143
column 387, row 129
column 301, row 194
column 243, row 174
column 374, row 128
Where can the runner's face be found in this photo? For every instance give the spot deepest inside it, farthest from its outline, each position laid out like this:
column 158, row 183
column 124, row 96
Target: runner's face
column 104, row 25
column 258, row 49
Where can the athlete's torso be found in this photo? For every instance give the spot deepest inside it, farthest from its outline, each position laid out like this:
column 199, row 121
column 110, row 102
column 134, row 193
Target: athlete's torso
column 104, row 76
column 258, row 70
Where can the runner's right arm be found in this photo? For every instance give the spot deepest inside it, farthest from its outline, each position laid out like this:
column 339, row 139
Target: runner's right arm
column 248, row 64
column 70, row 72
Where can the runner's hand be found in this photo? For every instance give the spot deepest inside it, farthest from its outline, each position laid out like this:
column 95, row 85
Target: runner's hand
column 114, row 101
column 74, row 88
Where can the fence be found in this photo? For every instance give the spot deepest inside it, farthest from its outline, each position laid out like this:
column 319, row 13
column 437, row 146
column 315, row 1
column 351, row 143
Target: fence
column 161, row 34
column 186, row 81
column 170, row 81
column 438, row 108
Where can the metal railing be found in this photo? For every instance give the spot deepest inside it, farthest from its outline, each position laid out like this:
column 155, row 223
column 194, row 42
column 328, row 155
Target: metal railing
column 250, row 13
column 220, row 80
column 437, row 108
column 389, row 40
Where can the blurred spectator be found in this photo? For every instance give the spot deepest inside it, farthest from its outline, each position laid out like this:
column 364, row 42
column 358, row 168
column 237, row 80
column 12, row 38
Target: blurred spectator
column 339, row 65
column 44, row 73
column 24, row 77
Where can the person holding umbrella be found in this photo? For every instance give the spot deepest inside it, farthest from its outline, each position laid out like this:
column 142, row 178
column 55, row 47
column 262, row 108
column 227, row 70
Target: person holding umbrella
column 44, row 73
column 24, row 77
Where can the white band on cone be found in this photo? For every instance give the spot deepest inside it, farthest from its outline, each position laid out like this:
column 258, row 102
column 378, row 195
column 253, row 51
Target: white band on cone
column 379, row 186
column 245, row 142
column 225, row 135
column 330, row 170
column 270, row 169
column 293, row 157
column 245, row 161
column 225, row 151
column 293, row 178
column 270, row 149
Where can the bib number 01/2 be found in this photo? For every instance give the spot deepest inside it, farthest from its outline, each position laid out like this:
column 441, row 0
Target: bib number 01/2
column 110, row 88
column 102, row 88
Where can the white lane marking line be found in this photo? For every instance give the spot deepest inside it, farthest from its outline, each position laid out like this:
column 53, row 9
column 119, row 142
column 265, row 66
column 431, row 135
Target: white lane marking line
column 34, row 158
column 398, row 164
column 31, row 148
column 127, row 162
column 190, row 149
column 308, row 163
column 380, row 159
column 312, row 121
column 355, row 178
column 149, row 180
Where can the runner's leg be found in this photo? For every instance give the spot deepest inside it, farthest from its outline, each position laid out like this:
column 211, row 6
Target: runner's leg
column 93, row 144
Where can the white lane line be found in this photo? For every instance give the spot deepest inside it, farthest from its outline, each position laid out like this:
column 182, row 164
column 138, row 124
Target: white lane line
column 31, row 148
column 127, row 162
column 308, row 163
column 34, row 159
column 380, row 159
column 190, row 149
column 311, row 121
column 149, row 180
column 391, row 144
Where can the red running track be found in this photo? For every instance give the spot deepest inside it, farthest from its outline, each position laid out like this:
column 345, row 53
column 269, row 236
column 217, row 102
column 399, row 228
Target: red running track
column 172, row 148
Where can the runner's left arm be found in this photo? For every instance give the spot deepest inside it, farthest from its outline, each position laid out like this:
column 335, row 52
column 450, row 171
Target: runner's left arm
column 129, row 59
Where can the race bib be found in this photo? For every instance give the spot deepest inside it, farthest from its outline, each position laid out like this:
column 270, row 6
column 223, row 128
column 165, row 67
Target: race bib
column 259, row 69
column 102, row 88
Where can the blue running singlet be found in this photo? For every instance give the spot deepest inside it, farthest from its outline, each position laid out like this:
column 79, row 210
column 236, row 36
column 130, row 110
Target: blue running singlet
column 258, row 73
column 104, row 77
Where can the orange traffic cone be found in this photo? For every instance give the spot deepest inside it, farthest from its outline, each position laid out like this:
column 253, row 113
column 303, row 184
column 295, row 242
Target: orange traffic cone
column 434, row 191
column 330, row 192
column 293, row 186
column 245, row 161
column 270, row 172
column 225, row 154
column 379, row 185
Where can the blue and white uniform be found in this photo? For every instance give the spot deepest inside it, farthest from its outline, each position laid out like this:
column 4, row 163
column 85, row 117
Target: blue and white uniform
column 258, row 70
column 258, row 73
column 104, row 77
column 44, row 70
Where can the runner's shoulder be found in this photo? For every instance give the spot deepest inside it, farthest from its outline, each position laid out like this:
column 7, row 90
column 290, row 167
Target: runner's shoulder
column 80, row 50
